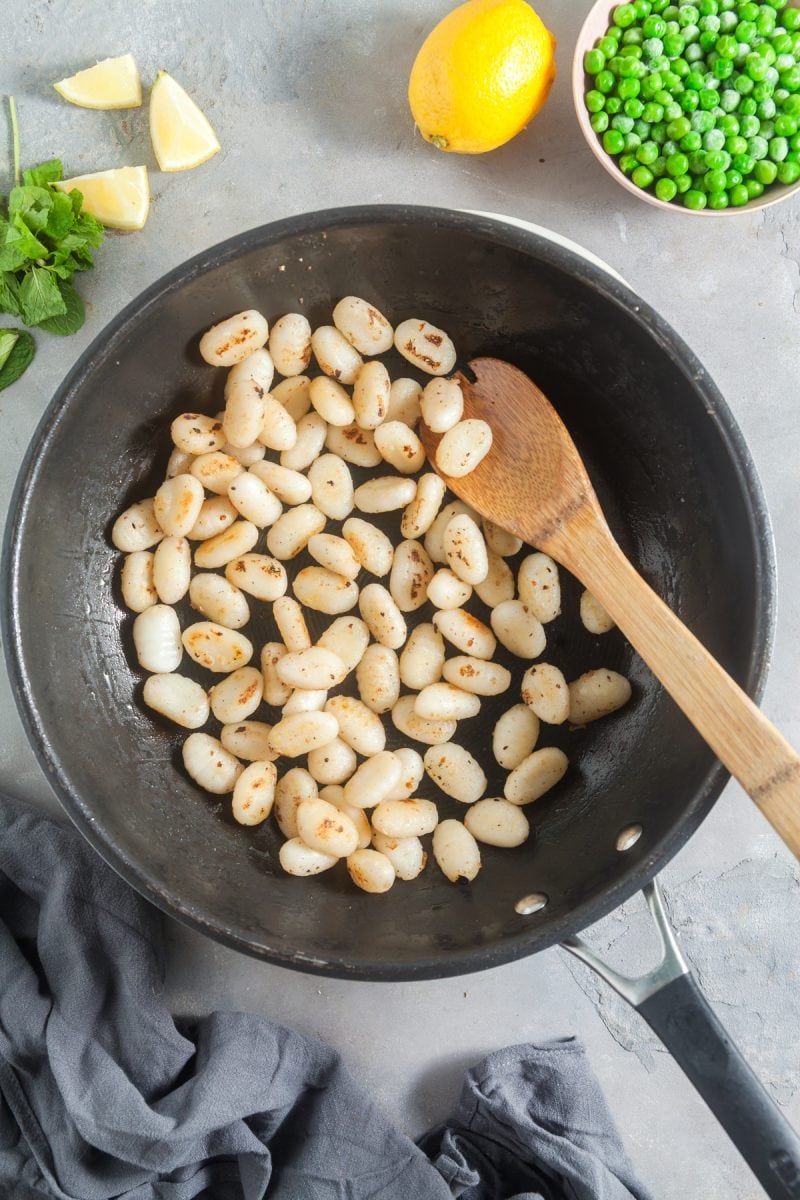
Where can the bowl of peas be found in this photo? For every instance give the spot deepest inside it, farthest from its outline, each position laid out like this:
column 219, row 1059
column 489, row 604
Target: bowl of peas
column 694, row 107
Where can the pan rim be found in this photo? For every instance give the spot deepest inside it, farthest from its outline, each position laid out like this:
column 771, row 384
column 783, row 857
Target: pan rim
column 523, row 241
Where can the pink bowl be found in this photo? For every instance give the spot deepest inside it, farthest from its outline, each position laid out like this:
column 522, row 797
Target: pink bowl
column 595, row 25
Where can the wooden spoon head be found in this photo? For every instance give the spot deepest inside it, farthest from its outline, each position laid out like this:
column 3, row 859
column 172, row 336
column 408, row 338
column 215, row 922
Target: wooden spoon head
column 532, row 482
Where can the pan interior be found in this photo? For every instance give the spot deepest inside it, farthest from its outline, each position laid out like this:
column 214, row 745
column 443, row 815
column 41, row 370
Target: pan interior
column 670, row 473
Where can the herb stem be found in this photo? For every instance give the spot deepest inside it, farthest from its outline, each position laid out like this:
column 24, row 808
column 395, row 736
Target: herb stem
column 12, row 111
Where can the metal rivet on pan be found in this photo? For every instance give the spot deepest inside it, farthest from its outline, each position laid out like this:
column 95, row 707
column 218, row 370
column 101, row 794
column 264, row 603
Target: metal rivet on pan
column 628, row 837
column 533, row 903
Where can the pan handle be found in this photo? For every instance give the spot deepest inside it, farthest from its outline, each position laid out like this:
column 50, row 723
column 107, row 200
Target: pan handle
column 677, row 1011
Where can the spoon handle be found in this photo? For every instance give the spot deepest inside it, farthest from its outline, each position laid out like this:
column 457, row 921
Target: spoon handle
column 751, row 748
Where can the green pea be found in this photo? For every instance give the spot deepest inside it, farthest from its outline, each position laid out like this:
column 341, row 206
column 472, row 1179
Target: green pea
column 727, row 22
column 593, row 62
column 599, row 122
column 651, row 84
column 722, row 68
column 788, row 172
column 642, row 176
column 794, row 141
column 690, row 142
column 654, row 27
column 717, row 160
column 659, row 167
column 758, row 147
column 669, row 12
column 595, row 101
column 672, row 83
column 738, row 195
column 702, row 121
column 613, row 141
column 624, row 15
column 683, row 183
column 695, row 199
column 791, row 18
column 670, row 147
column 674, row 45
column 694, row 52
column 632, row 142
column 765, row 171
column 677, row 164
column 744, row 164
column 746, row 33
column 630, row 67
column 732, row 179
column 780, row 96
column 613, row 105
column 707, row 7
column 653, row 112
column 754, row 189
column 631, row 37
column 766, row 110
column 672, row 112
column 763, row 91
column 697, row 163
column 628, row 88
column 690, row 35
column 755, row 67
column 666, row 189
column 680, row 67
column 658, row 133
column 714, row 181
column 765, row 22
column 744, row 85
column 729, row 125
column 689, row 101
column 709, row 24
column 642, row 9
column 714, row 140
column 792, row 156
column 749, row 126
column 633, row 108
column 791, row 78
column 726, row 46
column 729, row 100
column 622, row 123
column 642, row 128
column 718, row 199
column 778, row 149
column 688, row 14
column 768, row 54
column 707, row 40
column 604, row 82
column 708, row 98
column 736, row 145
column 782, row 43
column 627, row 163
column 608, row 46
column 678, row 128
column 647, row 153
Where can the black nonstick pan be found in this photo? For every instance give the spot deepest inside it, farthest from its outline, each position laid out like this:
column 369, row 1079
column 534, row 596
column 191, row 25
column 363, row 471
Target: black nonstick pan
column 680, row 492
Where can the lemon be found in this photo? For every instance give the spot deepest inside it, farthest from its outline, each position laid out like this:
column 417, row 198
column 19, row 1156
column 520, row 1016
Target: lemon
column 481, row 75
column 180, row 133
column 112, row 83
column 119, row 199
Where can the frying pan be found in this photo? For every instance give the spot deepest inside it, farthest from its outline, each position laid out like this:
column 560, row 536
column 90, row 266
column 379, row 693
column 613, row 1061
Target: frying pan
column 680, row 491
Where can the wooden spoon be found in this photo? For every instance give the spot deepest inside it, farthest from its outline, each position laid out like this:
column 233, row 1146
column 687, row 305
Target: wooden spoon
column 534, row 484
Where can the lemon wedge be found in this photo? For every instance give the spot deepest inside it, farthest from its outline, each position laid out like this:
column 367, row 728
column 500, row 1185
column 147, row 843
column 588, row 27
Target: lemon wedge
column 181, row 135
column 112, row 83
column 119, row 199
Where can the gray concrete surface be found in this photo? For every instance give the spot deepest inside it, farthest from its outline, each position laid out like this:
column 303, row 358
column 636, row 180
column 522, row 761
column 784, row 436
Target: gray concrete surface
column 308, row 98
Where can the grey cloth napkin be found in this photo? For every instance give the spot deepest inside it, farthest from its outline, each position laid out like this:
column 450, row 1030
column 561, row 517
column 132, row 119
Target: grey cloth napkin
column 103, row 1095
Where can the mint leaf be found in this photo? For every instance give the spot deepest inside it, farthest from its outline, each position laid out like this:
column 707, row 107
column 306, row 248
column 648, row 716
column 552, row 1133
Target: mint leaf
column 8, row 339
column 9, row 294
column 61, row 218
column 12, row 257
column 71, row 320
column 19, row 358
column 20, row 237
column 47, row 172
column 39, row 296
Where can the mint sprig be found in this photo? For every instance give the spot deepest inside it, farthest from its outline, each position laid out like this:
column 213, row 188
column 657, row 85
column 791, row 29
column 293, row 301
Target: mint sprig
column 45, row 239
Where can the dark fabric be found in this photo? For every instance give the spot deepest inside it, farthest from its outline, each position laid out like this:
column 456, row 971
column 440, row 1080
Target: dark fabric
column 102, row 1095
